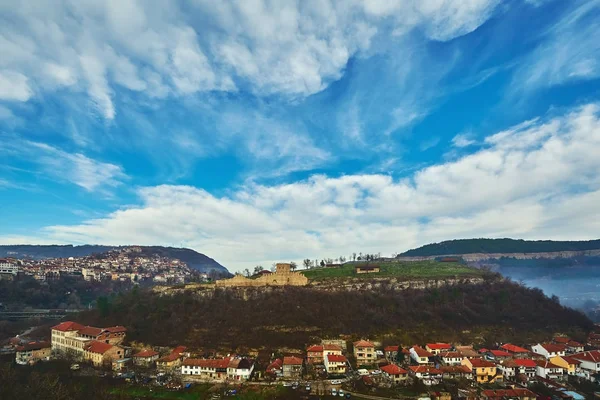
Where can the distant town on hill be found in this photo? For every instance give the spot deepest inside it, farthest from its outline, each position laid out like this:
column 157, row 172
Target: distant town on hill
column 471, row 246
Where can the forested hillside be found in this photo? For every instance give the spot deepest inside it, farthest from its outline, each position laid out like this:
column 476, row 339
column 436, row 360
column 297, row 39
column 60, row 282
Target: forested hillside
column 470, row 246
column 295, row 316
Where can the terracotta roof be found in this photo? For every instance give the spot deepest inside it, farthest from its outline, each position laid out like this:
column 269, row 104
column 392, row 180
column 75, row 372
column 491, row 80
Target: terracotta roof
column 591, row 356
column 455, row 369
column 315, row 349
column 391, row 348
column 67, row 326
column 33, row 346
column 573, row 343
column 277, row 364
column 146, row 353
column 90, row 331
column 169, row 358
column 514, row 349
column 97, row 347
column 421, row 352
column 561, row 339
column 207, row 363
column 525, row 362
column 363, row 343
column 425, row 368
column 332, row 347
column 178, row 350
column 479, row 363
column 336, row 358
column 393, row 369
column 291, row 360
column 553, row 348
column 547, row 364
column 116, row 329
column 500, row 353
column 438, row 346
column 571, row 360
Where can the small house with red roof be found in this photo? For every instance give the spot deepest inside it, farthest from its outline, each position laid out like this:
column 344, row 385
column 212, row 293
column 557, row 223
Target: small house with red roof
column 570, row 364
column 548, row 370
column 145, row 358
column 549, row 350
column 451, row 358
column 364, row 352
column 437, row 348
column 335, row 364
column 32, row 352
column 483, row 371
column 455, row 371
column 391, row 352
column 420, row 355
column 429, row 374
column 516, row 350
column 292, row 367
column 314, row 354
column 171, row 361
column 394, row 373
column 590, row 362
column 102, row 354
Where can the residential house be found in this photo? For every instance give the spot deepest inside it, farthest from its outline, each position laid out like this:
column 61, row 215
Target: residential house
column 428, row 374
column 455, row 372
column 171, row 361
column 570, row 364
column 516, row 351
column 437, row 348
column 451, row 358
column 367, row 269
column 206, row 369
column 590, row 362
column 499, row 355
column 420, row 355
column 527, row 367
column 314, row 354
column 574, row 347
column 71, row 338
column 483, row 371
column 335, row 364
column 467, row 351
column 394, row 373
column 102, row 353
column 549, row 350
column 548, row 370
column 145, row 357
column 32, row 352
column 275, row 368
column 331, row 349
column 364, row 352
column 292, row 367
column 391, row 353
column 240, row 369
column 504, row 394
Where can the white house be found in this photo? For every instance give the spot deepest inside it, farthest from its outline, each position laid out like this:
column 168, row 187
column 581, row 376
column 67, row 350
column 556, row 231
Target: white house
column 240, row 369
column 335, row 364
column 451, row 358
column 590, row 361
column 549, row 350
column 9, row 268
column 420, row 355
column 547, row 370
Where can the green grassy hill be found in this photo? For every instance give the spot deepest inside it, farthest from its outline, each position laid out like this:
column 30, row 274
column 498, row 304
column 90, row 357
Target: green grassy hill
column 397, row 269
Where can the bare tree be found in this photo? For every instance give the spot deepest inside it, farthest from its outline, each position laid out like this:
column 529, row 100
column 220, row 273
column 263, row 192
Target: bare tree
column 293, row 265
column 307, row 263
column 353, row 256
column 247, row 273
column 258, row 269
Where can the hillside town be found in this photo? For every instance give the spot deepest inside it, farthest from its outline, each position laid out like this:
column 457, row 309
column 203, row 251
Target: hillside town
column 334, row 366
column 126, row 265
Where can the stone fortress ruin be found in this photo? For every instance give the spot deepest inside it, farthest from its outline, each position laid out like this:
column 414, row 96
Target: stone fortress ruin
column 282, row 276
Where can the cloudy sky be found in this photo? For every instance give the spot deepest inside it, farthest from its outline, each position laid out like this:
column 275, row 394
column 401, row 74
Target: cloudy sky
column 256, row 131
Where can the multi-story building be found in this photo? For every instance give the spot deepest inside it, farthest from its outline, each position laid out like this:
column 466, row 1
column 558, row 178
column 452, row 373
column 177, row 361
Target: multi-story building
column 549, row 350
column 32, row 352
column 590, row 362
column 548, row 370
column 364, row 352
column 221, row 369
column 483, row 371
column 336, row 364
column 7, row 267
column 292, row 367
column 99, row 345
column 437, row 348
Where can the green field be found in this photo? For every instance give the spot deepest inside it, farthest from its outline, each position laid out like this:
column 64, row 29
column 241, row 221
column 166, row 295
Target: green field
column 398, row 269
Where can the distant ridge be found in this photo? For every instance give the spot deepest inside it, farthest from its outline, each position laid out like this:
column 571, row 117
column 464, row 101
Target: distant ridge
column 194, row 259
column 499, row 246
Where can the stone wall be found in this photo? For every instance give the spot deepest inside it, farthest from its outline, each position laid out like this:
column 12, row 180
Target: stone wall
column 281, row 277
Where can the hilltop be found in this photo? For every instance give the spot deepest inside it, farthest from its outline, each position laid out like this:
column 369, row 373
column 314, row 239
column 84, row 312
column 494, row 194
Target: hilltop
column 191, row 257
column 500, row 246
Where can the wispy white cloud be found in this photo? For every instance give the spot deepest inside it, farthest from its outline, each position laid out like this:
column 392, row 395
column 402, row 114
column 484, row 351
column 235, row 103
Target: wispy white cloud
column 463, row 140
column 548, row 188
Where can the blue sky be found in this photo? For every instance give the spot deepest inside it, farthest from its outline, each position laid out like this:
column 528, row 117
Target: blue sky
column 258, row 131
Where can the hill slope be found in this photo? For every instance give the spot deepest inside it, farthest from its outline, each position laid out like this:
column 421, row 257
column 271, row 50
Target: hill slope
column 194, row 259
column 471, row 246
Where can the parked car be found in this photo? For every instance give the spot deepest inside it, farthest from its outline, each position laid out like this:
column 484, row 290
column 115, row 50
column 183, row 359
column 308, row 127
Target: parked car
column 341, row 393
column 333, row 392
column 75, row 367
column 336, row 382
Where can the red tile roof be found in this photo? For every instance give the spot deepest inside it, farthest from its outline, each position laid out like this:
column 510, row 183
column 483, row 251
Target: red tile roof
column 169, row 358
column 479, row 363
column 571, row 360
column 514, row 349
column 90, row 331
column 591, row 356
column 391, row 348
column 291, row 360
column 421, row 352
column 573, row 343
column 553, row 348
column 179, row 350
column 393, row 369
column 525, row 362
column 500, row 353
column 438, row 346
column 332, row 347
column 455, row 369
column 146, row 353
column 218, row 363
column 547, row 364
column 97, row 347
column 561, row 339
column 315, row 349
column 336, row 358
column 116, row 329
column 425, row 369
column 67, row 326
column 277, row 364
column 451, row 354
column 33, row 346
column 363, row 343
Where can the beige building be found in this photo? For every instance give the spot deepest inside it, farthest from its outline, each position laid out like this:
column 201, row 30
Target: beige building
column 102, row 354
column 282, row 276
column 72, row 339
column 32, row 352
column 364, row 352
